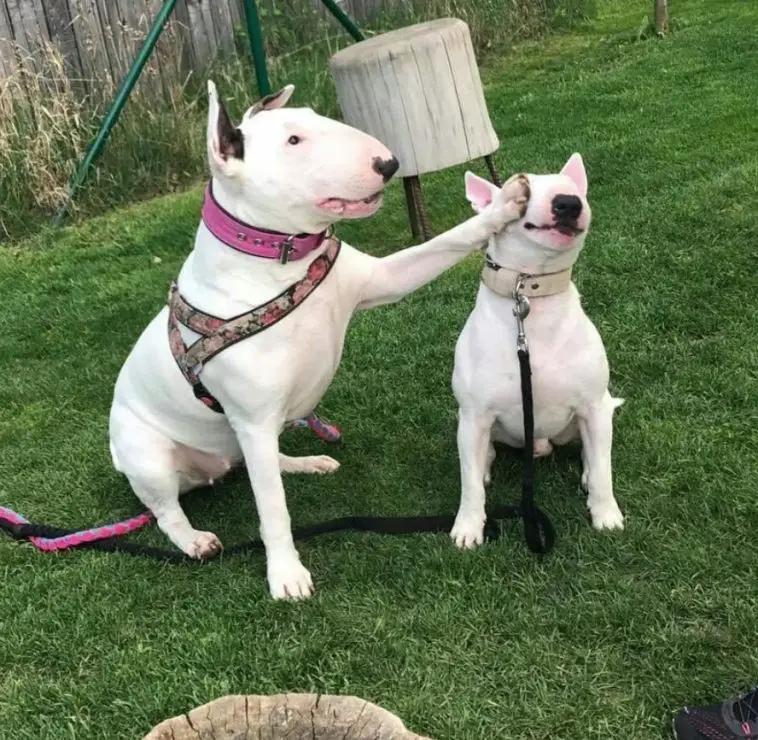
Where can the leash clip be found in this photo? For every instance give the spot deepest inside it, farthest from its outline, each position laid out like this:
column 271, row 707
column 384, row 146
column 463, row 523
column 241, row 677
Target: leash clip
column 521, row 311
column 285, row 250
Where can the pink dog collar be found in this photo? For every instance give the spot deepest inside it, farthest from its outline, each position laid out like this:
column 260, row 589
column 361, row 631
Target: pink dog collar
column 257, row 242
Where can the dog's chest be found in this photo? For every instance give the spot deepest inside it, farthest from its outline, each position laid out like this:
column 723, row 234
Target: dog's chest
column 564, row 352
column 291, row 363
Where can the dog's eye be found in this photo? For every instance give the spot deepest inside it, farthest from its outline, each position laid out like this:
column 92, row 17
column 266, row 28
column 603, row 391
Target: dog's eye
column 294, row 140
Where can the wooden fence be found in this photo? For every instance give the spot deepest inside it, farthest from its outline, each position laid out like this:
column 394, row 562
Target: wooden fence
column 98, row 38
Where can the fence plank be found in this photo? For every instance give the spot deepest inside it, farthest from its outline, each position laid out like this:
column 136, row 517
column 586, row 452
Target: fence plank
column 62, row 34
column 27, row 31
column 189, row 60
column 224, row 28
column 112, row 35
column 202, row 42
column 236, row 12
column 128, row 20
column 90, row 39
column 153, row 73
column 7, row 51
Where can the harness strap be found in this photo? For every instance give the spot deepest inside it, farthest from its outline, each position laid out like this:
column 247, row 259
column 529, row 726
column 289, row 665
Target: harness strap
column 219, row 334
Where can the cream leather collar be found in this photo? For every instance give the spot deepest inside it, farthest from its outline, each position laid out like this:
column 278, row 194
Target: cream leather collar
column 503, row 281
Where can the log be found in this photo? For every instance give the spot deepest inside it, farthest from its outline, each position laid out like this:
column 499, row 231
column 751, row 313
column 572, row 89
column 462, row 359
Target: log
column 285, row 716
column 418, row 91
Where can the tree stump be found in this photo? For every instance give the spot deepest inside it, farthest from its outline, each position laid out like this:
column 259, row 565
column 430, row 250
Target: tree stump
column 284, row 717
column 418, row 91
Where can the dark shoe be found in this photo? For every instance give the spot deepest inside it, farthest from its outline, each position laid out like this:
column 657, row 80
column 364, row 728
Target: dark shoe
column 727, row 720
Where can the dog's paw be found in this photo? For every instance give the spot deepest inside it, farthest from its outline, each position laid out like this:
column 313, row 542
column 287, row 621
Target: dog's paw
column 205, row 546
column 509, row 204
column 319, row 464
column 467, row 532
column 515, row 194
column 606, row 515
column 289, row 579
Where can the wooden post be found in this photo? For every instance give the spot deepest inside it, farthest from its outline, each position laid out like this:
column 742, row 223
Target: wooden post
column 662, row 17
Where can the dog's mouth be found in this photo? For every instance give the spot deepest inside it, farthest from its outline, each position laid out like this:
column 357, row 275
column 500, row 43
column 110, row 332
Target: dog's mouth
column 346, row 208
column 567, row 229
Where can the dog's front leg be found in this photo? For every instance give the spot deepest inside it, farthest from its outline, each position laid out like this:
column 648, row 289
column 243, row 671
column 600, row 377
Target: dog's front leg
column 287, row 577
column 596, row 431
column 403, row 272
column 474, row 430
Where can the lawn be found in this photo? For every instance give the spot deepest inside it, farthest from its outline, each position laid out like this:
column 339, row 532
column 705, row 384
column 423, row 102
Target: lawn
column 604, row 638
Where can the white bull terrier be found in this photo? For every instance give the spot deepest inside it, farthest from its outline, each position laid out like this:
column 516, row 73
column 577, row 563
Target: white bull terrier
column 278, row 182
column 568, row 361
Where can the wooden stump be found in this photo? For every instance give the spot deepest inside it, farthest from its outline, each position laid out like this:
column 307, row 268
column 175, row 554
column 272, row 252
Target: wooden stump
column 286, row 716
column 418, row 91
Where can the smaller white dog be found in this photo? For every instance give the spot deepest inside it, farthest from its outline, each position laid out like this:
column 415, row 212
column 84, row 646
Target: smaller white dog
column 569, row 365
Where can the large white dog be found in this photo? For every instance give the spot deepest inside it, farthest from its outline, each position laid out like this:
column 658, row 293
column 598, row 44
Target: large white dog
column 569, row 365
column 279, row 181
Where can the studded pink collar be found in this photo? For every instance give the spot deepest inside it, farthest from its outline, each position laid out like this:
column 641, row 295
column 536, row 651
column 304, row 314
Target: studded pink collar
column 257, row 242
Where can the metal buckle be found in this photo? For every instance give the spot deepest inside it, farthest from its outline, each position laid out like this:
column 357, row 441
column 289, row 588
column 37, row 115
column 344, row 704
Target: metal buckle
column 284, row 251
column 521, row 311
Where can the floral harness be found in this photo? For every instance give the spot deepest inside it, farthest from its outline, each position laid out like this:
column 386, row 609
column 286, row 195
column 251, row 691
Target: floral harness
column 217, row 334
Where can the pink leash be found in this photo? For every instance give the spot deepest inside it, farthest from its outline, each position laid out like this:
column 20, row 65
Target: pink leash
column 322, row 429
column 53, row 544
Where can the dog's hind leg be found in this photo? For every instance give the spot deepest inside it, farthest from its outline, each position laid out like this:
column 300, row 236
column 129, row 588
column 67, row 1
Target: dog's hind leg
column 570, row 434
column 307, row 464
column 491, row 455
column 149, row 461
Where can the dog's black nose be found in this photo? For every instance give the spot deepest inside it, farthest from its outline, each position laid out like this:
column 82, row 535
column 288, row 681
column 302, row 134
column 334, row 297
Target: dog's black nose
column 385, row 167
column 567, row 207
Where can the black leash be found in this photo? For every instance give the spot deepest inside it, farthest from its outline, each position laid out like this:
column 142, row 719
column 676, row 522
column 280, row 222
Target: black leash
column 390, row 525
column 538, row 529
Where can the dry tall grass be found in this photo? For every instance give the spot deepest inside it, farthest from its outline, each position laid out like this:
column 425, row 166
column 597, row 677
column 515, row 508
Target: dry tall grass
column 47, row 120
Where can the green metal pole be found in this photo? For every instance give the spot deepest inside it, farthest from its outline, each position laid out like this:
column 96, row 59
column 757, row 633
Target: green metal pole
column 347, row 22
column 256, row 47
column 122, row 95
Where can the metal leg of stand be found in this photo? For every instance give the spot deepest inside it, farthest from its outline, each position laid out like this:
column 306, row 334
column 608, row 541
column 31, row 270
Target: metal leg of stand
column 423, row 214
column 493, row 172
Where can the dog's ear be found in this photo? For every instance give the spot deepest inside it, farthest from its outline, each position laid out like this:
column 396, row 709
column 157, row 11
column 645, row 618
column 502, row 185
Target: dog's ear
column 574, row 169
column 479, row 192
column 270, row 102
column 226, row 144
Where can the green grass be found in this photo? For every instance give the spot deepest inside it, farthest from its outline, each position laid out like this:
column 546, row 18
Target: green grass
column 604, row 638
